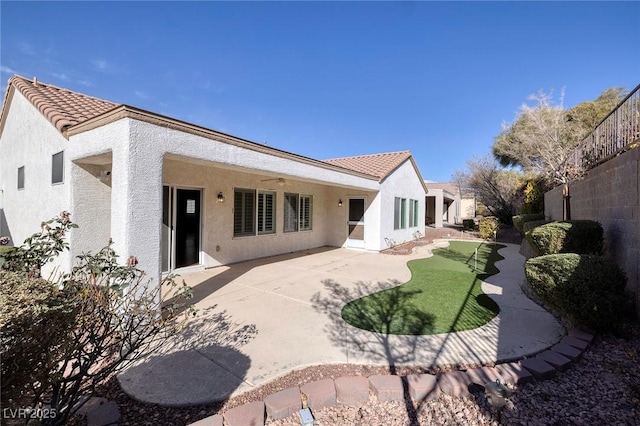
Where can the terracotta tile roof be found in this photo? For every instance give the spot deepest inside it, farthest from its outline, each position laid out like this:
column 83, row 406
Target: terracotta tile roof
column 62, row 107
column 378, row 165
column 450, row 187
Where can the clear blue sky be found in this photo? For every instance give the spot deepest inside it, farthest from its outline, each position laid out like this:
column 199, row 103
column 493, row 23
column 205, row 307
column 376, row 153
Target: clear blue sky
column 330, row 79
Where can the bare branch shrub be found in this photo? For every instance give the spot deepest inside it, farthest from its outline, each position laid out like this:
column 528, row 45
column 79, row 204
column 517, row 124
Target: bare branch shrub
column 66, row 337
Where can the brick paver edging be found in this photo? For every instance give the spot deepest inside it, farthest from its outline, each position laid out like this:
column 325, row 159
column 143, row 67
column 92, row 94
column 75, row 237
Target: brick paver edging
column 355, row 390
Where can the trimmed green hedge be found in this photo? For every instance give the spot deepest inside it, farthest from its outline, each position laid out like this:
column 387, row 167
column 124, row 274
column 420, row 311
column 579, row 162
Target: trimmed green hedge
column 521, row 219
column 575, row 236
column 468, row 224
column 528, row 226
column 586, row 289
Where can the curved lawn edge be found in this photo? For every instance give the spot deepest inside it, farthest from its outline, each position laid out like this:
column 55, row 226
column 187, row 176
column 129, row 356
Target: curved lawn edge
column 443, row 295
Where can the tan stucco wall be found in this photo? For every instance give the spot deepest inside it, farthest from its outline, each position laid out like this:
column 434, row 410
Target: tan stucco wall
column 467, row 208
column 329, row 219
column 609, row 194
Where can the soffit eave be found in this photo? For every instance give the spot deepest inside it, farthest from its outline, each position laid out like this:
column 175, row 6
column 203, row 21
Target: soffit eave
column 125, row 111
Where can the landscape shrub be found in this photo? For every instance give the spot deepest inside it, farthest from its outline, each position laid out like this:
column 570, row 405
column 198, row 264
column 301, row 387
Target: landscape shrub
column 528, row 226
column 521, row 219
column 5, row 253
column 488, row 227
column 59, row 340
column 34, row 319
column 533, row 197
column 575, row 236
column 588, row 290
column 468, row 224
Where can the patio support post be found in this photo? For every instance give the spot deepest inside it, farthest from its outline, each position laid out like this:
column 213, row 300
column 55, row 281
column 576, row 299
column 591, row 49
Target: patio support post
column 439, row 210
column 136, row 204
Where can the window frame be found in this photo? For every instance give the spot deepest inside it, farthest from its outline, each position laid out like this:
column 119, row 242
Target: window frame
column 60, row 162
column 21, row 178
column 399, row 213
column 287, row 216
column 261, row 196
column 244, row 219
column 414, row 211
column 305, row 224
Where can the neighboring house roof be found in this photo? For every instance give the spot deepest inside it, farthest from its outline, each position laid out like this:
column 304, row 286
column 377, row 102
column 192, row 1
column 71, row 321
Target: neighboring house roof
column 450, row 187
column 63, row 108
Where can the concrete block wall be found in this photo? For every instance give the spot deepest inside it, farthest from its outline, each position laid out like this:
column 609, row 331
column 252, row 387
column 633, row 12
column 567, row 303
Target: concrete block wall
column 610, row 194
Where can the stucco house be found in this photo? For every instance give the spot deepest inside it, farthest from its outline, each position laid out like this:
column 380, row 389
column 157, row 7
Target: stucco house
column 443, row 203
column 446, row 203
column 179, row 196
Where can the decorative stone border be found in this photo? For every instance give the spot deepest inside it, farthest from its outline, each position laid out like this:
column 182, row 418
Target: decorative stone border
column 355, row 390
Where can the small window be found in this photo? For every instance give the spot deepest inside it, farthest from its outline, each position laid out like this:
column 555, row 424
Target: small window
column 21, row 177
column 413, row 213
column 266, row 212
column 290, row 212
column 306, row 212
column 400, row 213
column 243, row 212
column 57, row 168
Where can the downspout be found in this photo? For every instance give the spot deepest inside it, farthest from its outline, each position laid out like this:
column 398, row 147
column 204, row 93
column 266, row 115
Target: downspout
column 566, row 203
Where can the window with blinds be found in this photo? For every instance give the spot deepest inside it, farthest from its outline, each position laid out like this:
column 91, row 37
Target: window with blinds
column 244, row 212
column 306, row 212
column 266, row 212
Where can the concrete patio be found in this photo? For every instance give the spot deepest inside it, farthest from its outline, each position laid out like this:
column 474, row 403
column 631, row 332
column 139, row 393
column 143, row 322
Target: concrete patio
column 263, row 318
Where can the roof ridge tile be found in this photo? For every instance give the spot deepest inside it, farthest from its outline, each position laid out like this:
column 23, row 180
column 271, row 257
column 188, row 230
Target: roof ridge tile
column 62, row 107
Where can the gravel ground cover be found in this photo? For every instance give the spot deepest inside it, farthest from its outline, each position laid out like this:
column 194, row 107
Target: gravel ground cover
column 601, row 389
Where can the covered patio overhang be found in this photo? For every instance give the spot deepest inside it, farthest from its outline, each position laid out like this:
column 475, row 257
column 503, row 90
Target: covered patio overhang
column 242, row 213
column 234, row 199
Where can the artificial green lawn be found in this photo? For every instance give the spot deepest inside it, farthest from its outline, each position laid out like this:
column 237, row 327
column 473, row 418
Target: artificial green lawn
column 443, row 295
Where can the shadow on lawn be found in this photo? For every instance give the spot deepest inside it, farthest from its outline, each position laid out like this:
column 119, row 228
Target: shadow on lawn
column 391, row 308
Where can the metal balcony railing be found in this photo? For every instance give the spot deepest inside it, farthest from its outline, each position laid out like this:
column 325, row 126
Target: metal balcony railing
column 616, row 133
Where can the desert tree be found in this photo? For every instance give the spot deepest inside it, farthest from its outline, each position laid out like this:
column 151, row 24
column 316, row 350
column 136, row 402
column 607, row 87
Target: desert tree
column 543, row 135
column 495, row 187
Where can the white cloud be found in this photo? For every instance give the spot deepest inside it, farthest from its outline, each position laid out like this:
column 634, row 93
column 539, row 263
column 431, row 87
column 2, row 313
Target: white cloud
column 143, row 95
column 26, row 48
column 99, row 64
column 85, row 83
column 8, row 70
column 60, row 76
column 210, row 87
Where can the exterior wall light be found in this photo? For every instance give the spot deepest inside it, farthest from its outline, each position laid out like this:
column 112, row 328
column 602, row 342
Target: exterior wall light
column 220, row 198
column 340, row 202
